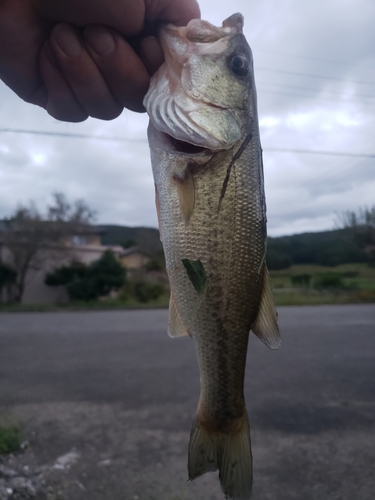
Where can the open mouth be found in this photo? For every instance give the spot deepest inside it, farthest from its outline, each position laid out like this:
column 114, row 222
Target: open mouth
column 186, row 147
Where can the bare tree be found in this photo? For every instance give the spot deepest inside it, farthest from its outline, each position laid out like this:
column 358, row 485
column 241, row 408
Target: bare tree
column 32, row 236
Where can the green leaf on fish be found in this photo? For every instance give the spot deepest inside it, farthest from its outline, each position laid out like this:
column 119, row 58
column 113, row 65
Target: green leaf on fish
column 196, row 273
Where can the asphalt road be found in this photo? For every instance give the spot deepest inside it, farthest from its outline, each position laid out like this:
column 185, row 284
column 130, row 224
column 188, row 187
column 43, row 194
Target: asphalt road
column 118, row 389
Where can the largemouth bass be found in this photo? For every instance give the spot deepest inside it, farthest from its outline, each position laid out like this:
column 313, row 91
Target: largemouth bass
column 207, row 165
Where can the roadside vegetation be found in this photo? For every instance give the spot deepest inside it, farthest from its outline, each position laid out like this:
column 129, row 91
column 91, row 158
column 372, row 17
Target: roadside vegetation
column 305, row 284
column 10, row 438
column 330, row 267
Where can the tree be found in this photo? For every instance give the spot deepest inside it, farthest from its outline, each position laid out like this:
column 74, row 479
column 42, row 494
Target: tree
column 33, row 237
column 361, row 225
column 89, row 282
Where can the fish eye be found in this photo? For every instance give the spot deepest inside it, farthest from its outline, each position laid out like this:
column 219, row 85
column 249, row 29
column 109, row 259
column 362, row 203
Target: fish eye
column 239, row 65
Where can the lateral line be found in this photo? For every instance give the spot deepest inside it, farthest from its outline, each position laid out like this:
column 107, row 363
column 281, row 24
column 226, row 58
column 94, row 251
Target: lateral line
column 238, row 154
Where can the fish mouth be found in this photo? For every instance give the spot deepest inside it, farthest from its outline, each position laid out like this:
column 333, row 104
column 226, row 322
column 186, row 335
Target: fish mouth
column 186, row 147
column 164, row 141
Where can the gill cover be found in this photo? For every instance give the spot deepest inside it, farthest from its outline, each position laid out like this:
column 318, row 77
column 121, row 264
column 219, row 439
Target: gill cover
column 198, row 95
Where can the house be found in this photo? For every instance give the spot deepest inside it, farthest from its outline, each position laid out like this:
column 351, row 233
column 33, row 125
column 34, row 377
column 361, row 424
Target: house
column 85, row 247
column 134, row 258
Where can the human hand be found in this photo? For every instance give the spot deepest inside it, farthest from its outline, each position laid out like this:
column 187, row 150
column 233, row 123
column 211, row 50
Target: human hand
column 80, row 58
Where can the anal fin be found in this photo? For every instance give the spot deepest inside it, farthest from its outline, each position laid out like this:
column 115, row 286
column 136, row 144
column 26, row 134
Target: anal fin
column 176, row 328
column 265, row 326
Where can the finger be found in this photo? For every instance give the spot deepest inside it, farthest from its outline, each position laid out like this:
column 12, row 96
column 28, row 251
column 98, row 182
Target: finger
column 38, row 96
column 126, row 16
column 151, row 53
column 61, row 101
column 122, row 69
column 82, row 74
column 178, row 12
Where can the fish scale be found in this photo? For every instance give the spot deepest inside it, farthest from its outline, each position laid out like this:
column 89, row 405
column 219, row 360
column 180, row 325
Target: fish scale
column 212, row 219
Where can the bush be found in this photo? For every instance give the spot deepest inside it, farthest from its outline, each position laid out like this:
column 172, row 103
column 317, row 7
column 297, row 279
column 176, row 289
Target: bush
column 328, row 280
column 66, row 274
column 90, row 282
column 107, row 274
column 145, row 292
column 301, row 279
column 82, row 289
column 7, row 275
column 350, row 274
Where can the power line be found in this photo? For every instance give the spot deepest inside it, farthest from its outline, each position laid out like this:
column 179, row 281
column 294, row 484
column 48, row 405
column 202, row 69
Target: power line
column 69, row 135
column 312, row 76
column 331, row 61
column 304, row 96
column 314, row 89
column 338, row 173
column 314, row 152
column 123, row 139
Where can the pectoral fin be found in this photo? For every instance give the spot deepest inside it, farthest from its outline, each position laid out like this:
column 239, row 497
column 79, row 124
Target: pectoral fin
column 265, row 326
column 186, row 194
column 157, row 204
column 176, row 328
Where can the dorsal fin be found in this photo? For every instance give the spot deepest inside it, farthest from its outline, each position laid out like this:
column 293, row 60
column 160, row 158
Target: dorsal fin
column 176, row 328
column 265, row 326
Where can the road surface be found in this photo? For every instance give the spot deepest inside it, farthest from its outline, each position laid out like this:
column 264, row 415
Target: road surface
column 115, row 387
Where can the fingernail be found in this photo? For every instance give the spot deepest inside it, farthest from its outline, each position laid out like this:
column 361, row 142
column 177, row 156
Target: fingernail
column 67, row 40
column 100, row 39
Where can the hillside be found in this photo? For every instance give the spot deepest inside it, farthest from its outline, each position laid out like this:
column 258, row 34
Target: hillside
column 326, row 248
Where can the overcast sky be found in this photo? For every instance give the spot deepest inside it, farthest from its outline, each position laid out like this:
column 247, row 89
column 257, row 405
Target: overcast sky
column 315, row 74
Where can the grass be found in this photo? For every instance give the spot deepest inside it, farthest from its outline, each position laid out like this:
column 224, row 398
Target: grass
column 355, row 283
column 10, row 438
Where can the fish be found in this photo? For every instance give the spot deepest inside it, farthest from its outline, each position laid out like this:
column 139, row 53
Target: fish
column 207, row 165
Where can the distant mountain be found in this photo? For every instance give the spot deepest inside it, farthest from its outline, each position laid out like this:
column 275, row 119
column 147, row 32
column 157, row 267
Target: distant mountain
column 327, row 248
column 146, row 238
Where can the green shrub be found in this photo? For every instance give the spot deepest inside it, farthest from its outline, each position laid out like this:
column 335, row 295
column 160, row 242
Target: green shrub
column 89, row 282
column 82, row 289
column 145, row 292
column 328, row 280
column 7, row 275
column 10, row 439
column 301, row 279
column 350, row 274
column 107, row 273
column 65, row 274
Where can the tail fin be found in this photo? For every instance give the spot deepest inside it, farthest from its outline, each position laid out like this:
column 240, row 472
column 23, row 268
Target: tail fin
column 230, row 452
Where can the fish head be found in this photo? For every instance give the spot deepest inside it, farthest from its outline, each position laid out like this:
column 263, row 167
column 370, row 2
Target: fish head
column 204, row 93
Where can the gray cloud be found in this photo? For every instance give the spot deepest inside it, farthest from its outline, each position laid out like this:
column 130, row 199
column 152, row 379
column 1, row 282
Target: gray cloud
column 290, row 40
